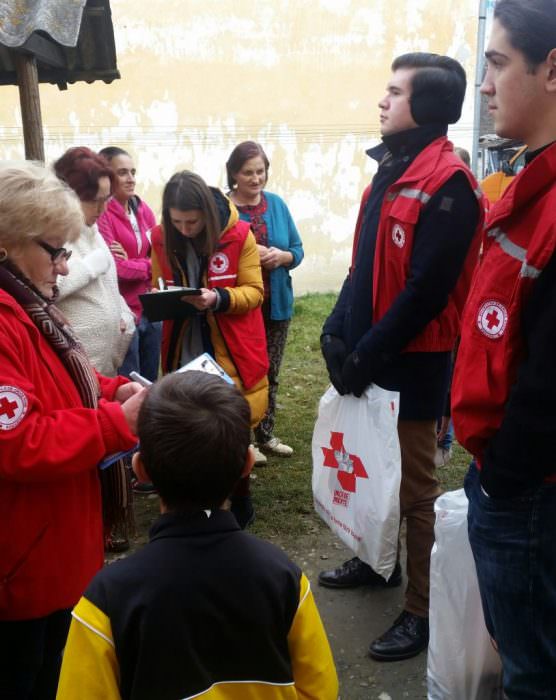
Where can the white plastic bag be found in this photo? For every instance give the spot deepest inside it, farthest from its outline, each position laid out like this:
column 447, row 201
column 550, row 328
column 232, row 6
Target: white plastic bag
column 462, row 663
column 357, row 473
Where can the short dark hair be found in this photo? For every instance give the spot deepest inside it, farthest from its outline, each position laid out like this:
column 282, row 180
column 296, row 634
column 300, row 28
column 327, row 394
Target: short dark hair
column 437, row 88
column 110, row 152
column 81, row 169
column 531, row 27
column 243, row 152
column 186, row 191
column 194, row 433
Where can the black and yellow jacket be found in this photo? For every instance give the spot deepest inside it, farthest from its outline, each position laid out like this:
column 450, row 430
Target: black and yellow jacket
column 205, row 610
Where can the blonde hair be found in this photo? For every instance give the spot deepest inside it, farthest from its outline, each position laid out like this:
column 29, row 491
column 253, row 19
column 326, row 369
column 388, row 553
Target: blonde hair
column 33, row 201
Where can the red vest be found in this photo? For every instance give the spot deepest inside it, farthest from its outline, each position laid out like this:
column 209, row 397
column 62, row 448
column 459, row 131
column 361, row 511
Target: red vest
column 400, row 212
column 243, row 334
column 519, row 241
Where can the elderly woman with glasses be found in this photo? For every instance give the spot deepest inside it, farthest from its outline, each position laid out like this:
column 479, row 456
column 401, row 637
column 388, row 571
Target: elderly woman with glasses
column 58, row 420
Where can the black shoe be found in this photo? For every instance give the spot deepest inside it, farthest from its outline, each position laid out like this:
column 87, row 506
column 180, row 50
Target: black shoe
column 355, row 573
column 242, row 508
column 408, row 636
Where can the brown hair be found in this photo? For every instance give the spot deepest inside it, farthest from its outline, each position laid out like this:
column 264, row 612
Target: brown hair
column 186, row 191
column 81, row 168
column 194, row 431
column 243, row 152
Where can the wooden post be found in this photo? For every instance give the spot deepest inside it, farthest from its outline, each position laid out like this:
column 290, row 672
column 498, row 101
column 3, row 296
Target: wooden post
column 29, row 99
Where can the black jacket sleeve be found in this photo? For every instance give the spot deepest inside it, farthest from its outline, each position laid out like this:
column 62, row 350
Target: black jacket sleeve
column 521, row 454
column 442, row 238
column 334, row 324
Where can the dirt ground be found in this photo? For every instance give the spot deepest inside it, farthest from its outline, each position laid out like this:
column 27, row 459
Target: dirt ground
column 353, row 618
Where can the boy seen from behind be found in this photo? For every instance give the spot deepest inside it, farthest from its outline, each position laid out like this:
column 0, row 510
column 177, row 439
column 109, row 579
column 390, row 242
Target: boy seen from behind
column 205, row 610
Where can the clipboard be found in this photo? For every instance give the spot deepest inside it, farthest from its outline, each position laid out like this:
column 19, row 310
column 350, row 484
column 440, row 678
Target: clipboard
column 111, row 459
column 166, row 305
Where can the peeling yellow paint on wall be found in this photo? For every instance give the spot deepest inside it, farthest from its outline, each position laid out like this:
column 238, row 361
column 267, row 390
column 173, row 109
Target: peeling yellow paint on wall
column 303, row 77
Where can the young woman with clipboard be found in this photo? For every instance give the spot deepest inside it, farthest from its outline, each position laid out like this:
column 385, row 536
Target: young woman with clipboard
column 203, row 244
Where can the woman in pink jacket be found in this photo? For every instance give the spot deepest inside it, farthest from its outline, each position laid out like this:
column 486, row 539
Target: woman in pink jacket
column 125, row 226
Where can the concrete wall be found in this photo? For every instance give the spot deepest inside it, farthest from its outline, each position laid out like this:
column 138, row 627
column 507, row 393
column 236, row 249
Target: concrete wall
column 303, row 77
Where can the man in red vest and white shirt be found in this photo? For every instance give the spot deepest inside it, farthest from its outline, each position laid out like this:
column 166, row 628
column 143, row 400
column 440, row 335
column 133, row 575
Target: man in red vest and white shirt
column 398, row 314
column 504, row 390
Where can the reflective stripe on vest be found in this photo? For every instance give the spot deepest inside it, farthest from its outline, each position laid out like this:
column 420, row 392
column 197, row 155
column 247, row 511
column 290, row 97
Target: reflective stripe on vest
column 414, row 194
column 514, row 251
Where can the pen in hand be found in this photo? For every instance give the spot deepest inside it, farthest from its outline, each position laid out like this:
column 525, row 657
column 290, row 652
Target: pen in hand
column 136, row 377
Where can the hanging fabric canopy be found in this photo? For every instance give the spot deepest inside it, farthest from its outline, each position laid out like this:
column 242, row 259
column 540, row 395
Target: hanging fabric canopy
column 53, row 41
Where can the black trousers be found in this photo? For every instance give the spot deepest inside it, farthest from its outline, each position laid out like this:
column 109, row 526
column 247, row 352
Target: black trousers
column 31, row 656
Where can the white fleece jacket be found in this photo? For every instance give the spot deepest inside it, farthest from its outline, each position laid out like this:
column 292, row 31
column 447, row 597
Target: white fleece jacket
column 90, row 300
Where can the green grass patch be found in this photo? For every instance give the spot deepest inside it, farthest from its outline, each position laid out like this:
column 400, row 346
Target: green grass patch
column 282, row 489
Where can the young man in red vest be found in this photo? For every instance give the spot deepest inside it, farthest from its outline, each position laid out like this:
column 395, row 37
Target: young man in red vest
column 397, row 317
column 504, row 390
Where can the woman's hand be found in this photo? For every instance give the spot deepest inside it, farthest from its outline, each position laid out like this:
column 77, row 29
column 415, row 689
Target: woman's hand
column 131, row 407
column 272, row 257
column 118, row 250
column 126, row 391
column 206, row 300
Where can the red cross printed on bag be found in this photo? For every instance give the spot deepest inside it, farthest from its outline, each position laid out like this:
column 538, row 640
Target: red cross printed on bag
column 492, row 319
column 349, row 466
column 13, row 407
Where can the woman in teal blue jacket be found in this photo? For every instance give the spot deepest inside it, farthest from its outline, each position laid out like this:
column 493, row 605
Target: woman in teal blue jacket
column 280, row 250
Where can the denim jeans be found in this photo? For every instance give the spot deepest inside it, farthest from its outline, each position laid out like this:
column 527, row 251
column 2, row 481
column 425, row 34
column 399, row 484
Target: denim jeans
column 514, row 546
column 143, row 355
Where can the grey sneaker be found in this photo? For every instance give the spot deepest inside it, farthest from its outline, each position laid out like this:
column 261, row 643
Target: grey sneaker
column 260, row 459
column 276, row 447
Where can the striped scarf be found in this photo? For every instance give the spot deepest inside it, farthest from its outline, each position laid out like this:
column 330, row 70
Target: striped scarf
column 55, row 328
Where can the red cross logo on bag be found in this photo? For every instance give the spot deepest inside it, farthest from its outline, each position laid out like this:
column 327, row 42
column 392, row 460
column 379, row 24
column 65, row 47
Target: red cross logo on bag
column 492, row 319
column 13, row 407
column 349, row 466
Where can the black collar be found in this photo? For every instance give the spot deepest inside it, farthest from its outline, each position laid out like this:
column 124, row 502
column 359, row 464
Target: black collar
column 175, row 524
column 408, row 143
column 530, row 155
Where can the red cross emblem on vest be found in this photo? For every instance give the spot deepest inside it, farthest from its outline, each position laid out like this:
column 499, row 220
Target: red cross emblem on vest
column 492, row 319
column 13, row 407
column 349, row 466
column 219, row 263
column 398, row 235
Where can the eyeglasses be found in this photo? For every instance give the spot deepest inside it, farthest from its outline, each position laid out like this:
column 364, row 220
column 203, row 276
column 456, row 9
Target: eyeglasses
column 56, row 254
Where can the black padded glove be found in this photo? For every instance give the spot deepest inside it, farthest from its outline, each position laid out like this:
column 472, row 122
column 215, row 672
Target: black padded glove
column 355, row 375
column 334, row 352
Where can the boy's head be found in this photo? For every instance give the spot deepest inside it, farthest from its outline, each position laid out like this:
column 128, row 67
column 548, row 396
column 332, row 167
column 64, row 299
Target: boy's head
column 194, row 431
column 520, row 80
column 425, row 88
